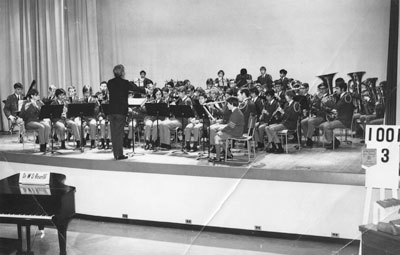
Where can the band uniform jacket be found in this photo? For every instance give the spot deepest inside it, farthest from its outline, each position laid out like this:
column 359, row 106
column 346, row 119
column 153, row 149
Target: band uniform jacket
column 291, row 115
column 118, row 95
column 265, row 79
column 259, row 104
column 11, row 105
column 241, row 80
column 344, row 107
column 248, row 108
column 235, row 125
column 271, row 108
column 285, row 83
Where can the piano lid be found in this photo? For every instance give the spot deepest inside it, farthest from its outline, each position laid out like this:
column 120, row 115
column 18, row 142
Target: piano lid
column 10, row 185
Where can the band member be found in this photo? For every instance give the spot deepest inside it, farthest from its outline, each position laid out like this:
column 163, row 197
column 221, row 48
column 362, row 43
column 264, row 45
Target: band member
column 51, row 95
column 105, row 129
column 11, row 108
column 143, row 81
column 234, row 128
column 280, row 93
column 195, row 127
column 61, row 124
column 72, row 97
column 150, row 122
column 247, row 106
column 119, row 89
column 284, row 80
column 209, row 83
column 30, row 113
column 172, row 123
column 91, row 120
column 266, row 117
column 316, row 116
column 243, row 79
column 258, row 102
column 221, row 81
column 290, row 117
column 344, row 108
column 264, row 79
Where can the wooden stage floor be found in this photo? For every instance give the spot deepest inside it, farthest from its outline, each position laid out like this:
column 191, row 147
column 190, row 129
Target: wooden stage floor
column 345, row 159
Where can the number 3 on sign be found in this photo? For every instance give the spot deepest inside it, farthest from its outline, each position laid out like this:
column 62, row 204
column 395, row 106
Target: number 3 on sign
column 385, row 157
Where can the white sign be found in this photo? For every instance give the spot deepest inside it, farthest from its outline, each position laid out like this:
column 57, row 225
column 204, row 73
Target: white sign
column 35, row 178
column 43, row 190
column 386, row 140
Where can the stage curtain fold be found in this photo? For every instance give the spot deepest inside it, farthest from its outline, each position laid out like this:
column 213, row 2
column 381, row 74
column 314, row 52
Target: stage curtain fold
column 50, row 41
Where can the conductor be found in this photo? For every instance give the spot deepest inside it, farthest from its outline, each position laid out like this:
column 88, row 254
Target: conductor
column 118, row 95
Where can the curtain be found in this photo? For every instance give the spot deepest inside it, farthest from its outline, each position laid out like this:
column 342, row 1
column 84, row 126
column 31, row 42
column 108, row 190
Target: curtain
column 50, row 41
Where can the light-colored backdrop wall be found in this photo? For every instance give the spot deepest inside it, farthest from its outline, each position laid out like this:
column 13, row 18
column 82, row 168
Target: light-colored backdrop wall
column 193, row 39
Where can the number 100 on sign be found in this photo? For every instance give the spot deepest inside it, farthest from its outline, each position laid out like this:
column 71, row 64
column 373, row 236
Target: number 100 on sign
column 382, row 134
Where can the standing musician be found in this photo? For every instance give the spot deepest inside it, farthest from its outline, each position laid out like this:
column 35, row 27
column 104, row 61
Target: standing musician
column 234, row 128
column 221, row 82
column 290, row 117
column 317, row 114
column 119, row 89
column 172, row 123
column 30, row 113
column 284, row 80
column 11, row 107
column 59, row 124
column 344, row 108
column 105, row 137
column 247, row 106
column 143, row 81
column 264, row 79
column 266, row 118
column 150, row 122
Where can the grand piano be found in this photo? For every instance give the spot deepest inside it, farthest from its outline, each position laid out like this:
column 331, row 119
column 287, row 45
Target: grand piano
column 26, row 205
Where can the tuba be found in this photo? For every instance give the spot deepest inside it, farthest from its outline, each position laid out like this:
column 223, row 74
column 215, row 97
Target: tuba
column 329, row 102
column 355, row 88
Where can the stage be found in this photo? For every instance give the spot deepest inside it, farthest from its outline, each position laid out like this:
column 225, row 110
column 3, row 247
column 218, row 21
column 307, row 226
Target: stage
column 314, row 192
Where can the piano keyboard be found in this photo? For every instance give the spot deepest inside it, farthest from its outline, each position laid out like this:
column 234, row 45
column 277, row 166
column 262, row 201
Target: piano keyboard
column 26, row 216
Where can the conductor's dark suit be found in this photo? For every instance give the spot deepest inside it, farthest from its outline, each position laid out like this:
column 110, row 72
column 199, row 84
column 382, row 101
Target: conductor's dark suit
column 118, row 92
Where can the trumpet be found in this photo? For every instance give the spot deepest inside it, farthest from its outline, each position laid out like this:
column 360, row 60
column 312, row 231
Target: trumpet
column 216, row 102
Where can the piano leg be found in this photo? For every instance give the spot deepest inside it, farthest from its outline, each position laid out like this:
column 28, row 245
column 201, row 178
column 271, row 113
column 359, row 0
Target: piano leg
column 62, row 238
column 19, row 239
column 28, row 239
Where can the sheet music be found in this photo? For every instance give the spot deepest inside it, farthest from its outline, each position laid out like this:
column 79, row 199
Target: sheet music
column 35, row 189
column 136, row 101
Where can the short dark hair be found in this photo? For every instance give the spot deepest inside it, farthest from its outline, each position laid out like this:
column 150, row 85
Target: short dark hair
column 87, row 88
column 221, row 71
column 305, row 85
column 254, row 90
column 245, row 91
column 32, row 92
column 209, row 81
column 203, row 94
column 233, row 101
column 155, row 90
column 290, row 93
column 103, row 82
column 190, row 88
column 165, row 89
column 263, row 68
column 143, row 72
column 18, row 85
column 283, row 71
column 59, row 92
column 119, row 71
column 182, row 89
column 270, row 92
column 243, row 71
column 339, row 82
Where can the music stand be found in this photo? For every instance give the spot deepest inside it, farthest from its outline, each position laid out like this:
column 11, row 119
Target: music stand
column 132, row 103
column 52, row 112
column 183, row 112
column 81, row 110
column 204, row 116
column 157, row 110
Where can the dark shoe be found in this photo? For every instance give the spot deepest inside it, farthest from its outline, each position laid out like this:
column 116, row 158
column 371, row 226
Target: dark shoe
column 272, row 149
column 87, row 137
column 337, row 143
column 43, row 148
column 260, row 145
column 37, row 140
column 92, row 144
column 309, row 143
column 55, row 137
column 21, row 139
column 63, row 145
column 187, row 146
column 121, row 157
column 147, row 146
column 83, row 143
column 78, row 144
column 102, row 144
column 213, row 149
column 279, row 151
column 107, row 144
column 194, row 148
column 128, row 143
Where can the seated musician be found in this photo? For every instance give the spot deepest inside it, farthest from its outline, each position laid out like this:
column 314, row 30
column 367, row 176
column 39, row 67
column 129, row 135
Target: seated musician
column 11, row 108
column 105, row 129
column 290, row 117
column 150, row 122
column 143, row 81
column 72, row 97
column 172, row 123
column 195, row 126
column 279, row 93
column 209, row 83
column 316, row 116
column 247, row 106
column 344, row 109
column 266, row 118
column 91, row 120
column 234, row 128
column 243, row 79
column 221, row 82
column 30, row 113
column 59, row 124
column 264, row 79
column 258, row 102
column 51, row 95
